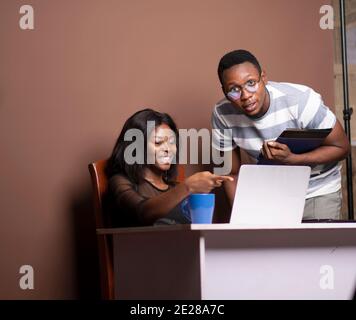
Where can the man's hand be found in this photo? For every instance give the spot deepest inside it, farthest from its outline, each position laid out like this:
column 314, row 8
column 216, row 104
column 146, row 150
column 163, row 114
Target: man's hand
column 335, row 148
column 278, row 152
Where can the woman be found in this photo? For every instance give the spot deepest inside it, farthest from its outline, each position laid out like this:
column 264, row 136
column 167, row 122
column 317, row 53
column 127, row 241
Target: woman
column 146, row 192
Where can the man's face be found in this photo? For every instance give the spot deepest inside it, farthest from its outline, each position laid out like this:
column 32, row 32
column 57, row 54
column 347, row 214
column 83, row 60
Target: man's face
column 247, row 89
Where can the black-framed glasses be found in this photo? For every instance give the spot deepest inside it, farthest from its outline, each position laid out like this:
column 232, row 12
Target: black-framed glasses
column 236, row 91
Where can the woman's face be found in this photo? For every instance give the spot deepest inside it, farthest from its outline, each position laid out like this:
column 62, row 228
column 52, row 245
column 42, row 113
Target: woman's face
column 162, row 146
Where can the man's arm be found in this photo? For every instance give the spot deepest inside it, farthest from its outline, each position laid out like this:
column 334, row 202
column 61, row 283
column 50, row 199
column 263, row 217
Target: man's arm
column 230, row 186
column 335, row 148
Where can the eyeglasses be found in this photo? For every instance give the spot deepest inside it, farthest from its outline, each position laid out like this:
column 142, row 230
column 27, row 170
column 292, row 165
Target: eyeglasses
column 236, row 91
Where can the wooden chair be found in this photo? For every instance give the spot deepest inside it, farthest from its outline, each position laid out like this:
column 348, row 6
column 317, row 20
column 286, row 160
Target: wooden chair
column 100, row 185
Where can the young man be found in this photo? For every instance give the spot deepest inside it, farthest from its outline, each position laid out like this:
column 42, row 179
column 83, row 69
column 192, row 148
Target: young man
column 257, row 112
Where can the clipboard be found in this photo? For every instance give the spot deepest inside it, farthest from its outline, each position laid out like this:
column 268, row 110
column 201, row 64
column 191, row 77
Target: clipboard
column 299, row 141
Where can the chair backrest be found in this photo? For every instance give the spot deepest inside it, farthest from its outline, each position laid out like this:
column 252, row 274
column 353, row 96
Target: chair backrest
column 100, row 185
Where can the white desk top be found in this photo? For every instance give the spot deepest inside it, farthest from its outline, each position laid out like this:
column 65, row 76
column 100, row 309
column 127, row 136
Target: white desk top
column 226, row 226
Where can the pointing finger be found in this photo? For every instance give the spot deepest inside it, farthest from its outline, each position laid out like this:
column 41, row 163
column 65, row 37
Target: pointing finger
column 224, row 178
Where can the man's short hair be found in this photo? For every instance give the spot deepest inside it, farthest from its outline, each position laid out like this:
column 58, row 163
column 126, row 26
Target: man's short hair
column 234, row 58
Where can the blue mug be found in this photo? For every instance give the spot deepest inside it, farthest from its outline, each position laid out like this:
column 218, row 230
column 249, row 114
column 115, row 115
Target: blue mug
column 199, row 207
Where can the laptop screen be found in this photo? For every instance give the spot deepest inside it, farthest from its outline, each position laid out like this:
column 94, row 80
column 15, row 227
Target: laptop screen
column 270, row 195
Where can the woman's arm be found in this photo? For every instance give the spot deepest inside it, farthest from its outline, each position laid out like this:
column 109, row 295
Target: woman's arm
column 151, row 209
column 159, row 206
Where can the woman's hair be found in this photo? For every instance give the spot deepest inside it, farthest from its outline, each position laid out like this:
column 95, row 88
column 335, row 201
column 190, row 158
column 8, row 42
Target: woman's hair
column 139, row 120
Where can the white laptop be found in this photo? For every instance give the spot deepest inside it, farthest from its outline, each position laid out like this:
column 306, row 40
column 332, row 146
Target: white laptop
column 268, row 195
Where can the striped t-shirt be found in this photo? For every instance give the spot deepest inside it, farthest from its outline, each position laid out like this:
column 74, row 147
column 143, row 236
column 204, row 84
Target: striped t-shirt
column 291, row 106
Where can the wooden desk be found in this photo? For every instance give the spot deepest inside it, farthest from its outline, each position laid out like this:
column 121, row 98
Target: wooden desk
column 222, row 261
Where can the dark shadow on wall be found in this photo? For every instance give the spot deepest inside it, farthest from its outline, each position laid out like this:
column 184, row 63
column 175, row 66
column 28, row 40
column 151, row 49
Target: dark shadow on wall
column 222, row 210
column 87, row 265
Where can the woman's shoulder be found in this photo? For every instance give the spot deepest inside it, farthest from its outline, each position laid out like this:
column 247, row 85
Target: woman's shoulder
column 119, row 177
column 122, row 182
column 119, row 180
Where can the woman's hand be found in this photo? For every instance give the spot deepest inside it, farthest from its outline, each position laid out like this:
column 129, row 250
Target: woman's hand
column 204, row 182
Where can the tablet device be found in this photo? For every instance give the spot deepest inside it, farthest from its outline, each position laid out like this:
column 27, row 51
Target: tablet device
column 299, row 141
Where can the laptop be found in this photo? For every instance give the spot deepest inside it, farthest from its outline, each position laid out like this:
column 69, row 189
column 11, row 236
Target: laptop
column 270, row 195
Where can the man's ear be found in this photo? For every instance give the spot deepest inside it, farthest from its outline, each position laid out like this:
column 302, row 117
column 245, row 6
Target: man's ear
column 264, row 77
column 223, row 90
